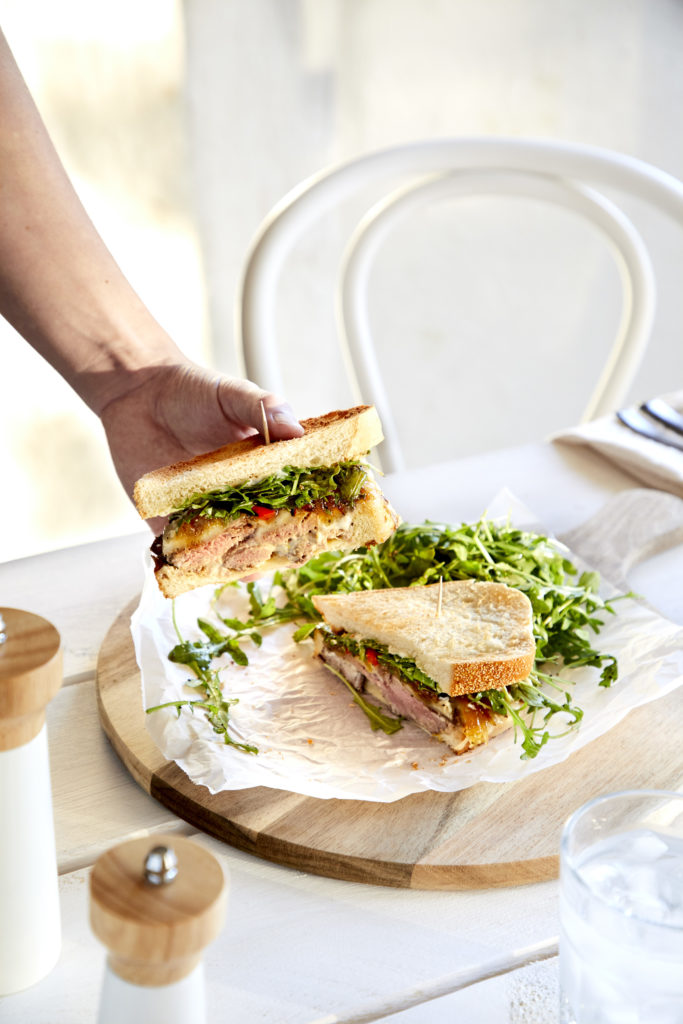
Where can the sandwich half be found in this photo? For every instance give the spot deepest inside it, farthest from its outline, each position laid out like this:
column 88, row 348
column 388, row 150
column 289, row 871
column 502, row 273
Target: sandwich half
column 253, row 507
column 428, row 658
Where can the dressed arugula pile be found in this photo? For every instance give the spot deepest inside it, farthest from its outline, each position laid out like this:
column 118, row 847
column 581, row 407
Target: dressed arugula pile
column 291, row 488
column 567, row 613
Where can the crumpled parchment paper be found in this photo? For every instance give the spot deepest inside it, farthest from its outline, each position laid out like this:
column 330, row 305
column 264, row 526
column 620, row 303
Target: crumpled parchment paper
column 314, row 740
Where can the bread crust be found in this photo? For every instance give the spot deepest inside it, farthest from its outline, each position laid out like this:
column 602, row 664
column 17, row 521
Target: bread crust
column 336, row 436
column 482, row 639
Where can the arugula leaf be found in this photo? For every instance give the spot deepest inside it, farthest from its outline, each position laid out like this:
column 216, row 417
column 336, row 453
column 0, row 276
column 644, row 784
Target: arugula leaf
column 198, row 656
column 376, row 716
column 264, row 613
column 291, row 488
column 527, row 697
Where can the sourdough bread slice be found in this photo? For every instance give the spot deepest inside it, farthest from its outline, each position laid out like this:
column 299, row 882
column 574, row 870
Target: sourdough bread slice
column 336, row 436
column 482, row 638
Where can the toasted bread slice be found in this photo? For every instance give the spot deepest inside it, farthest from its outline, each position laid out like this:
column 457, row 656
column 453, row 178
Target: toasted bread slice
column 481, row 639
column 329, row 439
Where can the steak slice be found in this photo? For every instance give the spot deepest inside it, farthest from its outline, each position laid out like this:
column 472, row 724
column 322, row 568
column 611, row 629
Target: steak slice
column 455, row 721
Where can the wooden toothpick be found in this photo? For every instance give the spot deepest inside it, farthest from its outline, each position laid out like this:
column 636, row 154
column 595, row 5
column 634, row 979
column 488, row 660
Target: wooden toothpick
column 440, row 598
column 266, row 432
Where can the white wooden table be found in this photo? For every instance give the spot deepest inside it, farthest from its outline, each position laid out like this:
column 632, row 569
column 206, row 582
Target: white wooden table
column 298, row 948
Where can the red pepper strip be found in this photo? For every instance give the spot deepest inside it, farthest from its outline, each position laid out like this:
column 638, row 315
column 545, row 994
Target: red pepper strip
column 371, row 656
column 264, row 513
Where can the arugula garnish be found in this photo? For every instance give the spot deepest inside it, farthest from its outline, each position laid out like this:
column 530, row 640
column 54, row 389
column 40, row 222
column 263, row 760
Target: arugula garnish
column 567, row 612
column 198, row 656
column 291, row 488
column 567, row 608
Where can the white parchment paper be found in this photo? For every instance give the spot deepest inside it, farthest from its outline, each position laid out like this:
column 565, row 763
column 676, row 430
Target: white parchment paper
column 314, row 740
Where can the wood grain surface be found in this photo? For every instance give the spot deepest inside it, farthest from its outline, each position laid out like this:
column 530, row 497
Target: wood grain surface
column 30, row 674
column 155, row 934
column 485, row 836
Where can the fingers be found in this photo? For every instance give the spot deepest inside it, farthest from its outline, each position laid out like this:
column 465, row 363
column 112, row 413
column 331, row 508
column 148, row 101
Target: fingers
column 241, row 401
column 282, row 423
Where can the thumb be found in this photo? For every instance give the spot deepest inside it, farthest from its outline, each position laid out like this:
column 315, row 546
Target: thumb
column 243, row 402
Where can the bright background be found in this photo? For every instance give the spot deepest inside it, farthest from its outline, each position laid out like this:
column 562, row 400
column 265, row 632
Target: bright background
column 181, row 124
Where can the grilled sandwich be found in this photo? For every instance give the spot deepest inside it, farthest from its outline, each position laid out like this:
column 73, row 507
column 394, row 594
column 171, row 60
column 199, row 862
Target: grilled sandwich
column 432, row 654
column 251, row 507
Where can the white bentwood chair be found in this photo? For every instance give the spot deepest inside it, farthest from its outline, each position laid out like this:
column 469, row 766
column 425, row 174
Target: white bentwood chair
column 557, row 172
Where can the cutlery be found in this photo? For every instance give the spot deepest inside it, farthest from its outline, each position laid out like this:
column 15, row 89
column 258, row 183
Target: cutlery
column 640, row 424
column 660, row 410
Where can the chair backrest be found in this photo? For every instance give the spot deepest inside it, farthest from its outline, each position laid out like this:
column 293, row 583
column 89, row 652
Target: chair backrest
column 556, row 172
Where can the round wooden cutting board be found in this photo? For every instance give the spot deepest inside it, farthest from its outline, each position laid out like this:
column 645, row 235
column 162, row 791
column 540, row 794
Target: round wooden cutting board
column 487, row 835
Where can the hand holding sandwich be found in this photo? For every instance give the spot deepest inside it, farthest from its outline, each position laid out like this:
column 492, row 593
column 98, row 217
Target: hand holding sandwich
column 251, row 507
column 178, row 410
column 64, row 293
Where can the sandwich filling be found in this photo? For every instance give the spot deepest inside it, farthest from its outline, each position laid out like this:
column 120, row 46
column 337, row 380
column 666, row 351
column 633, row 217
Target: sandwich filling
column 462, row 722
column 289, row 515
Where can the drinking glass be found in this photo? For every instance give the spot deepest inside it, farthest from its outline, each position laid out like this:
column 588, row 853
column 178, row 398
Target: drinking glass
column 621, row 910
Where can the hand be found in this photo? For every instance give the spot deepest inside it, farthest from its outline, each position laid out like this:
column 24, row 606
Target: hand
column 63, row 292
column 173, row 411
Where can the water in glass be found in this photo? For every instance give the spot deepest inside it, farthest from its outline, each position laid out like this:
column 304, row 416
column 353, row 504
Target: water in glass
column 621, row 943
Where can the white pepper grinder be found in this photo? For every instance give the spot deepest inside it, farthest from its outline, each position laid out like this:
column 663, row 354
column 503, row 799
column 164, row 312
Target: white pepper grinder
column 156, row 904
column 30, row 676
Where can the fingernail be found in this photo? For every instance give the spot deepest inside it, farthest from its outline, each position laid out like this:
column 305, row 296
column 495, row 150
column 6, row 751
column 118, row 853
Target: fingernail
column 283, row 415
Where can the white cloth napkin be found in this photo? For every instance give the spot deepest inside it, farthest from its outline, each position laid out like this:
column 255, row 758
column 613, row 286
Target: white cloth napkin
column 656, row 465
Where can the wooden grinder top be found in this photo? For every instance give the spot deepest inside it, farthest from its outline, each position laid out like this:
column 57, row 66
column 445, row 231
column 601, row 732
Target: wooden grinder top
column 155, row 934
column 30, row 675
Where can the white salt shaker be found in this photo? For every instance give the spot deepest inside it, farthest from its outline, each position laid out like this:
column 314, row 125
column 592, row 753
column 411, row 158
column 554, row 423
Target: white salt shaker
column 30, row 676
column 156, row 904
